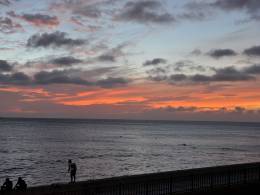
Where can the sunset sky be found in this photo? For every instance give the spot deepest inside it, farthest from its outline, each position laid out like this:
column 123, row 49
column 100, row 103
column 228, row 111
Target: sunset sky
column 130, row 59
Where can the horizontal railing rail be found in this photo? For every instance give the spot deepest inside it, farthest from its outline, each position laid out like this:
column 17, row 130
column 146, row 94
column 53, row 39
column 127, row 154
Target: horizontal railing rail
column 165, row 183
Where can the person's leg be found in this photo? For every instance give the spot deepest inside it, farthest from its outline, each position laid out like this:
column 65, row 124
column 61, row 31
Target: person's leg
column 71, row 177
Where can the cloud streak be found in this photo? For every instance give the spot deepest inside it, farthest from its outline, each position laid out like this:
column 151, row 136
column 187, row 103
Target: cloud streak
column 55, row 39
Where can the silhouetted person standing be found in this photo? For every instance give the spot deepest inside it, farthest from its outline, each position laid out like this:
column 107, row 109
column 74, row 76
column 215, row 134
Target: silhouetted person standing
column 7, row 186
column 72, row 170
column 20, row 185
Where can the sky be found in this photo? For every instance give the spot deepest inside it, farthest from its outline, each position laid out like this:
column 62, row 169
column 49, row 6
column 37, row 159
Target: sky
column 130, row 59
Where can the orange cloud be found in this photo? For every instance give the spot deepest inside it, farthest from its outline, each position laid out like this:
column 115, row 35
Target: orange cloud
column 145, row 96
column 39, row 20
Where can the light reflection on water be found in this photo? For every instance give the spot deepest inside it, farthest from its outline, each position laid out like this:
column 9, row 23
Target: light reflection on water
column 38, row 150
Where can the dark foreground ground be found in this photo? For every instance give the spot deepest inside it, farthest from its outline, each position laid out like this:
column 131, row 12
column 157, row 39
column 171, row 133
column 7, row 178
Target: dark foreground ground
column 249, row 189
column 240, row 179
column 245, row 189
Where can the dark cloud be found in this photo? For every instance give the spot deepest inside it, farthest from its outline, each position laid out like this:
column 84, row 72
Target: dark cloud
column 253, row 51
column 8, row 26
column 68, row 77
column 187, row 65
column 219, row 53
column 155, row 61
column 5, row 2
column 181, row 66
column 231, row 74
column 5, row 66
column 112, row 82
column 37, row 19
column 207, row 111
column 18, row 78
column 252, row 7
column 107, row 58
column 221, row 75
column 55, row 39
column 254, row 69
column 198, row 10
column 178, row 77
column 58, row 77
column 240, row 109
column 228, row 74
column 145, row 12
column 66, row 61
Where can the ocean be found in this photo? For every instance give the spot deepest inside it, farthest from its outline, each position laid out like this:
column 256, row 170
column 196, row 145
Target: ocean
column 38, row 149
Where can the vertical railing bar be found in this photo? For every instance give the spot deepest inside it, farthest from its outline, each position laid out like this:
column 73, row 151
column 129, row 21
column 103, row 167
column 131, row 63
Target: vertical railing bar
column 259, row 173
column 192, row 182
column 170, row 185
column 245, row 176
column 229, row 177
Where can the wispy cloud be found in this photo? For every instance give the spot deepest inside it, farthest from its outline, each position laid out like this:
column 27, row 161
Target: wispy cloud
column 149, row 11
column 8, row 26
column 39, row 20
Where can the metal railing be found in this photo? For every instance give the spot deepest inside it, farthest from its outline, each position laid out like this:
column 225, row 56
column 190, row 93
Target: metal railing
column 166, row 183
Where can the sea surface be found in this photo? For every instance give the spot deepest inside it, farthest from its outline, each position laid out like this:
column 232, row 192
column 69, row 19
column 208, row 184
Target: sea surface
column 38, row 149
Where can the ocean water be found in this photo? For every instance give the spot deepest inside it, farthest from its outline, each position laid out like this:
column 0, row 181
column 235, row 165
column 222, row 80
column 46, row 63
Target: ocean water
column 38, row 149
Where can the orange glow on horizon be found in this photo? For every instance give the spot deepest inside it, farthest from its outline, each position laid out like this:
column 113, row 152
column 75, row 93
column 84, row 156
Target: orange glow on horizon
column 146, row 95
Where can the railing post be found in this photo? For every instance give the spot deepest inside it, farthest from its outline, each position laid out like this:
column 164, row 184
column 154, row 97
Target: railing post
column 229, row 178
column 171, row 183
column 120, row 188
column 192, row 183
column 245, row 174
column 259, row 173
column 146, row 188
column 211, row 181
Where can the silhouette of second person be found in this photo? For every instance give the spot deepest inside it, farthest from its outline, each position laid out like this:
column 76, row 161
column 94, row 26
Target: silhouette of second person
column 72, row 169
column 20, row 185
